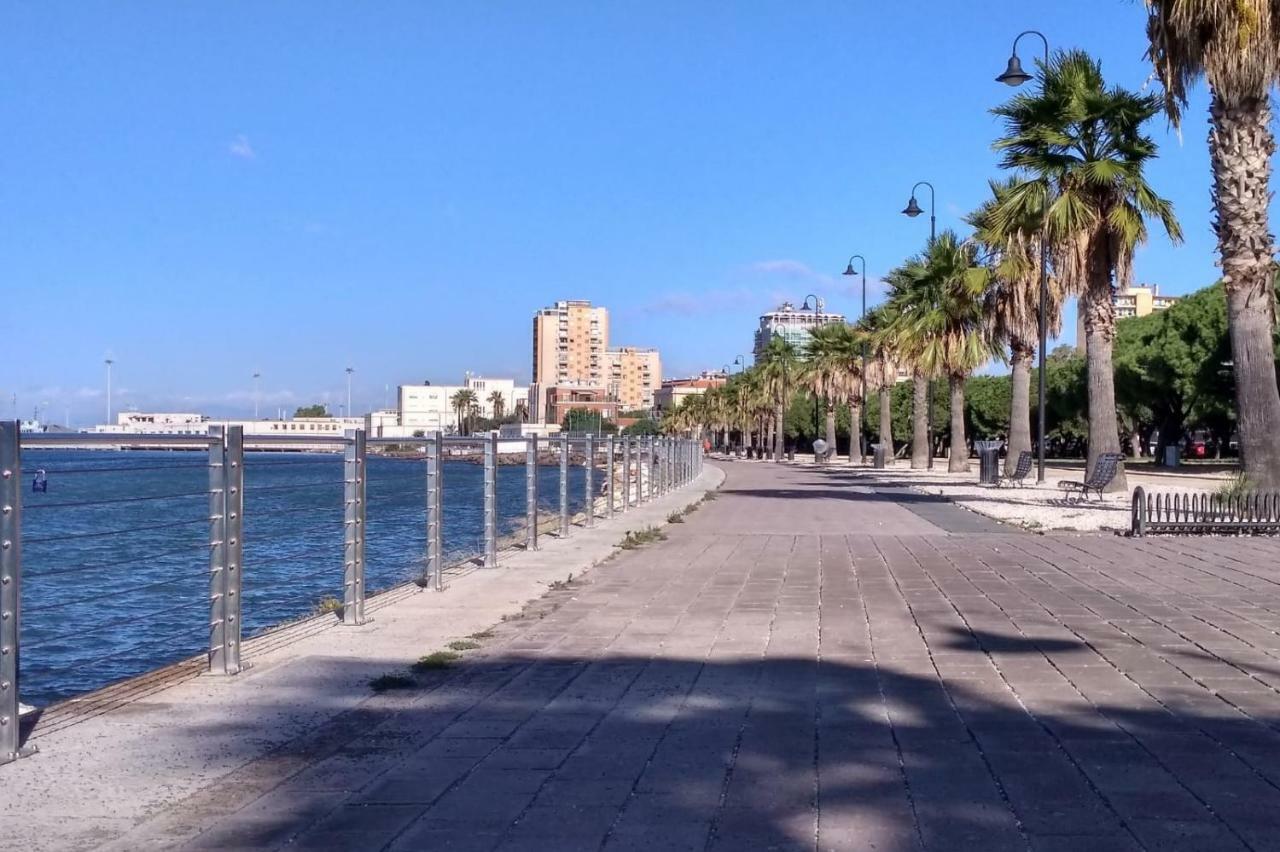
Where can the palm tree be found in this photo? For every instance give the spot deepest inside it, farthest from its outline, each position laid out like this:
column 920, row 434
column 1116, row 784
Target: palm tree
column 1084, row 145
column 779, row 371
column 1236, row 47
column 825, row 369
column 939, row 315
column 907, row 352
column 849, row 348
column 882, row 371
column 498, row 402
column 1011, row 238
column 462, row 402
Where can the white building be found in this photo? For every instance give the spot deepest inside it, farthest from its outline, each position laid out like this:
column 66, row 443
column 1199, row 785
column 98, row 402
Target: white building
column 792, row 324
column 429, row 408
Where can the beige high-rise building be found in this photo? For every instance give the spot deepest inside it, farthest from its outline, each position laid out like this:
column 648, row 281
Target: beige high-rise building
column 635, row 375
column 1129, row 302
column 570, row 341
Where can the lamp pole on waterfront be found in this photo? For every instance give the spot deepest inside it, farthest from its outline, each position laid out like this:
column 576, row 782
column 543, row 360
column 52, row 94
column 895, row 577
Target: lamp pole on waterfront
column 815, row 325
column 849, row 270
column 913, row 210
column 109, row 362
column 256, row 376
column 1014, row 76
column 350, row 370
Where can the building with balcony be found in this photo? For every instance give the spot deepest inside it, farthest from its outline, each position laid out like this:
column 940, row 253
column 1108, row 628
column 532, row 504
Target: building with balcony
column 634, row 376
column 792, row 324
column 674, row 391
column 1129, row 302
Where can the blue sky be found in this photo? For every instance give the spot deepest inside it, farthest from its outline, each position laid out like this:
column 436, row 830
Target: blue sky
column 203, row 190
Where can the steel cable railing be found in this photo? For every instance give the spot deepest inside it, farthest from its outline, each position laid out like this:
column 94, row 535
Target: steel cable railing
column 126, row 569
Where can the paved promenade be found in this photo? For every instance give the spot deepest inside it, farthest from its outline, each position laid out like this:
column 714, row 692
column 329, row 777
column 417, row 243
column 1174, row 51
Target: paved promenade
column 812, row 661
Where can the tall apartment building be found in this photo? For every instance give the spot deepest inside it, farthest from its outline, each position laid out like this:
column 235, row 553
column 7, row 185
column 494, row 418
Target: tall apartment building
column 792, row 324
column 1129, row 302
column 570, row 340
column 635, row 375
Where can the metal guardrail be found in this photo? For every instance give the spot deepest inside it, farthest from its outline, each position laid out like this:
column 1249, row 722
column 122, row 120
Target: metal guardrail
column 636, row 470
column 1204, row 513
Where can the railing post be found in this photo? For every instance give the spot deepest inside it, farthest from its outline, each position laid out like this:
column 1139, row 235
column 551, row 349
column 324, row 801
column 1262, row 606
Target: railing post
column 353, row 498
column 588, row 479
column 11, row 747
column 626, row 473
column 226, row 526
column 646, row 479
column 435, row 498
column 491, row 500
column 610, row 470
column 669, row 463
column 531, row 493
column 564, row 484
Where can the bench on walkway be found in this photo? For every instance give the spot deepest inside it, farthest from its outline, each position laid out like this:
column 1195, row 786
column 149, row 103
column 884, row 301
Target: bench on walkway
column 1020, row 470
column 1199, row 514
column 1103, row 472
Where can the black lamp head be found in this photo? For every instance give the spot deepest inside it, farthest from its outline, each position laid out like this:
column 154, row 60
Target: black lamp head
column 912, row 209
column 1013, row 74
column 848, row 270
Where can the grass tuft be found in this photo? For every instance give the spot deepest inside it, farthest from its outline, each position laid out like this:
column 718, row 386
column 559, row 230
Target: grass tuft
column 463, row 645
column 1236, row 486
column 328, row 603
column 675, row 518
column 435, row 661
column 382, row 683
column 481, row 635
column 639, row 538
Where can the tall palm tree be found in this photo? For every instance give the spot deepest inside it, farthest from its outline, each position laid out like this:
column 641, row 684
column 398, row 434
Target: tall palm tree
column 908, row 353
column 499, row 403
column 1083, row 144
column 882, row 371
column 939, row 315
column 849, row 348
column 779, row 370
column 825, row 369
column 1011, row 238
column 462, row 402
column 1235, row 46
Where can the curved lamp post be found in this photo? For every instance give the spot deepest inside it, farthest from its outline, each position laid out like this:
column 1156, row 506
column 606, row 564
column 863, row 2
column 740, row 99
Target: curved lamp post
column 849, row 270
column 1014, row 76
column 913, row 210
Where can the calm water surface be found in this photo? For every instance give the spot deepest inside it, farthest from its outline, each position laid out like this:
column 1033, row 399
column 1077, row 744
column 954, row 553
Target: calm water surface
column 116, row 555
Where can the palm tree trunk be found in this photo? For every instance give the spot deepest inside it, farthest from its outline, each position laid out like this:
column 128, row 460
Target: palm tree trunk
column 1240, row 146
column 1099, row 335
column 855, row 430
column 1020, row 409
column 886, row 423
column 958, row 460
column 831, row 427
column 920, row 448
column 778, row 433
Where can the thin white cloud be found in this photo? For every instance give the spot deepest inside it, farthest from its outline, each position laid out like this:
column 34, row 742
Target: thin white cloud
column 241, row 148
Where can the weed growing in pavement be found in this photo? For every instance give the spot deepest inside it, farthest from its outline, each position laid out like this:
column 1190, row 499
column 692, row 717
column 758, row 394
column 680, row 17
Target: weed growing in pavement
column 557, row 585
column 675, row 518
column 435, row 661
column 639, row 538
column 463, row 645
column 481, row 635
column 382, row 683
column 328, row 603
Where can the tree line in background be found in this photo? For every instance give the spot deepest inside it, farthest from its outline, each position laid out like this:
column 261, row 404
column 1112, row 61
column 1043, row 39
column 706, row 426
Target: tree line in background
column 1076, row 155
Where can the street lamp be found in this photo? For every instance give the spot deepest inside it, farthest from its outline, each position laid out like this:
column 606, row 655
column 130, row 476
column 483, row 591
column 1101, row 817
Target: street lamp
column 804, row 307
column 350, row 370
column 256, row 376
column 108, row 362
column 849, row 270
column 1014, row 76
column 913, row 210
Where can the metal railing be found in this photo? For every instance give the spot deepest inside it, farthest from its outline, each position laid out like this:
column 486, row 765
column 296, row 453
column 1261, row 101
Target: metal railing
column 180, row 506
column 1257, row 512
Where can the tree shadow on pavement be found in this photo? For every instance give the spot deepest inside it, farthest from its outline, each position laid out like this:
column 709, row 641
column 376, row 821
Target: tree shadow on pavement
column 510, row 751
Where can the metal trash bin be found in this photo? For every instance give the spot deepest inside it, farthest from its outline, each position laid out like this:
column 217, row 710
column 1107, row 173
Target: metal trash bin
column 1171, row 454
column 988, row 461
column 878, row 456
